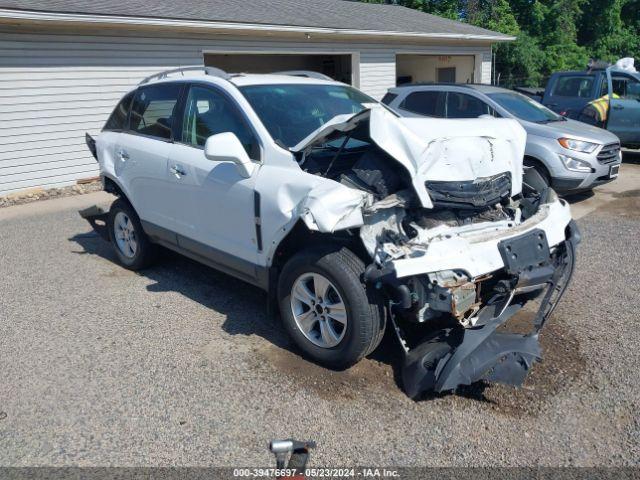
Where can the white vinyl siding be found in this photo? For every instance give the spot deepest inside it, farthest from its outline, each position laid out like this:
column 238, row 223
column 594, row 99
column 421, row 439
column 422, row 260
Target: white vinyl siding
column 55, row 85
column 377, row 72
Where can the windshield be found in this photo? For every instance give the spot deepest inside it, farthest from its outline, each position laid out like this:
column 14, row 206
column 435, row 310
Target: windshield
column 290, row 112
column 525, row 108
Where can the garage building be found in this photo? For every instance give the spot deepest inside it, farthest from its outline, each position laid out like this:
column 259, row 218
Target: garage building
column 65, row 63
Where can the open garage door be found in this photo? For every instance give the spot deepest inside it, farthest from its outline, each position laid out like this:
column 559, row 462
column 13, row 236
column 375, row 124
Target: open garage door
column 435, row 68
column 337, row 67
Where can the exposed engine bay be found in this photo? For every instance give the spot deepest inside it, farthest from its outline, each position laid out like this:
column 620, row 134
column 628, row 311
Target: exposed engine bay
column 460, row 263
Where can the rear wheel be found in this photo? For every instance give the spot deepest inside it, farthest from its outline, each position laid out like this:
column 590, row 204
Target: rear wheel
column 326, row 308
column 132, row 246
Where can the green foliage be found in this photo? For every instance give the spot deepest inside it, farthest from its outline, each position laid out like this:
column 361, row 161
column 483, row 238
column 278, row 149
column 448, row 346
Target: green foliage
column 551, row 35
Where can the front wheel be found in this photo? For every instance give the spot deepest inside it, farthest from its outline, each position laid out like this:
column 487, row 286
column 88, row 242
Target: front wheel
column 330, row 314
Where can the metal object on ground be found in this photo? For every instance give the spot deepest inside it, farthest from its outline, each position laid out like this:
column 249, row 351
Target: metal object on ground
column 297, row 452
column 97, row 218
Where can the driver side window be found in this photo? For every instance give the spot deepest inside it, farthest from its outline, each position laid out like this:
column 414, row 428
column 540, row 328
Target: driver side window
column 626, row 88
column 207, row 113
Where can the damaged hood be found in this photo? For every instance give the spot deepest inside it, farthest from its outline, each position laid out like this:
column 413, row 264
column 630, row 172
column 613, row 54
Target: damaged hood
column 437, row 150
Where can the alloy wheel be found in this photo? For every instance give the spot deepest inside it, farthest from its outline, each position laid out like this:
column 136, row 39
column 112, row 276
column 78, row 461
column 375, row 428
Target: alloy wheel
column 318, row 309
column 125, row 235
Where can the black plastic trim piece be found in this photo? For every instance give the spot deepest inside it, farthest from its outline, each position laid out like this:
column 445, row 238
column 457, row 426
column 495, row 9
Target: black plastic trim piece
column 525, row 252
column 565, row 184
column 258, row 219
column 478, row 193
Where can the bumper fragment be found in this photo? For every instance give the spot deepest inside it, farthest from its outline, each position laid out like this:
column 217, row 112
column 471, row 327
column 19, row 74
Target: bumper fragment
column 97, row 218
column 454, row 357
column 480, row 354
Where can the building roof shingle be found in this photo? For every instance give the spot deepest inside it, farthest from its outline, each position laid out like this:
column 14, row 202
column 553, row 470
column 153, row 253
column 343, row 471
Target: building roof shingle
column 331, row 14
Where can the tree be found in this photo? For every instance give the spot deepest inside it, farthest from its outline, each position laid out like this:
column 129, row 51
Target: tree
column 551, row 35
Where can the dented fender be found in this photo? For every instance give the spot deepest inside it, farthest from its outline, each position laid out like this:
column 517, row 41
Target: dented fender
column 328, row 208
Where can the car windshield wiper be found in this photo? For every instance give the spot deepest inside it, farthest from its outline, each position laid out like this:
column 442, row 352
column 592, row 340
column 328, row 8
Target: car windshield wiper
column 551, row 120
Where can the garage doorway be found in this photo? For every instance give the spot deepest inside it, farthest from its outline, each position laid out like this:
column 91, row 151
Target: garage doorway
column 338, row 67
column 411, row 68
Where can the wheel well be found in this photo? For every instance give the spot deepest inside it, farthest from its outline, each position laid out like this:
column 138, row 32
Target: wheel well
column 534, row 162
column 301, row 238
column 529, row 160
column 110, row 186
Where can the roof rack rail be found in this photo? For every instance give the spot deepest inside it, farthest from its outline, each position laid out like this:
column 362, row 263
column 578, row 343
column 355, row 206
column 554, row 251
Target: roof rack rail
column 305, row 73
column 211, row 71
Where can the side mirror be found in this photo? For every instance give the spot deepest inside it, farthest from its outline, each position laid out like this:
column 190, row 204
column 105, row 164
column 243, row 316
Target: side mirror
column 226, row 147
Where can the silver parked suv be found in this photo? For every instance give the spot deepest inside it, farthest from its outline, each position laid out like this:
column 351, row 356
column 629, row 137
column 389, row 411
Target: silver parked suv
column 571, row 156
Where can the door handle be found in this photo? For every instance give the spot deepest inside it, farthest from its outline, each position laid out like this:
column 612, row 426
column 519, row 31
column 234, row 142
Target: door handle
column 178, row 171
column 124, row 156
column 618, row 107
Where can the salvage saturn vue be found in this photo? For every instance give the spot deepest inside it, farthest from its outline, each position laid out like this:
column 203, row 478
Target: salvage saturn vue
column 351, row 217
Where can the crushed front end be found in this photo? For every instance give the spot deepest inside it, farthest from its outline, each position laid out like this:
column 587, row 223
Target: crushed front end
column 461, row 237
column 459, row 271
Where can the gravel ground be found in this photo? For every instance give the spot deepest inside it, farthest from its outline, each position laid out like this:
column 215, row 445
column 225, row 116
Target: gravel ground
column 179, row 365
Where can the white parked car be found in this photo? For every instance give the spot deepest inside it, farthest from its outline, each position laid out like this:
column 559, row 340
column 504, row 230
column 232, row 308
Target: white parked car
column 349, row 216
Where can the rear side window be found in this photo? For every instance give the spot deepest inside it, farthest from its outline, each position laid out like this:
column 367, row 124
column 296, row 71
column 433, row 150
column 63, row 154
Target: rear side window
column 389, row 97
column 154, row 108
column 461, row 105
column 424, row 103
column 574, row 86
column 118, row 119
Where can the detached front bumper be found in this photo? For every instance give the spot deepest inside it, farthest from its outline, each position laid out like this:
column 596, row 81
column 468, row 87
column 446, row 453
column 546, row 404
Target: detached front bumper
column 453, row 357
column 475, row 248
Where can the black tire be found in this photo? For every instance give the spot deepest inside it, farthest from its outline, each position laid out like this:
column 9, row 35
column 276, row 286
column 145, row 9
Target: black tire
column 540, row 168
column 146, row 251
column 364, row 307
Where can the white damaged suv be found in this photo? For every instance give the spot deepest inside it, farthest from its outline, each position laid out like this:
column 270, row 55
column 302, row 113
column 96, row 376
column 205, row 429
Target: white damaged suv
column 351, row 217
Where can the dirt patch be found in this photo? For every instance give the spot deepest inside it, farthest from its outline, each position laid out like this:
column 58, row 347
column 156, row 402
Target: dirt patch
column 628, row 194
column 626, row 204
column 360, row 380
column 561, row 368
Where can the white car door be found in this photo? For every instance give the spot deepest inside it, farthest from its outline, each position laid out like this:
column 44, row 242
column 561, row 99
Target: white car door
column 217, row 218
column 142, row 153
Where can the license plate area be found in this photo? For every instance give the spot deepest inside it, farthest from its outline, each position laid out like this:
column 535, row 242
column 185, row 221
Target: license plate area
column 614, row 170
column 525, row 252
